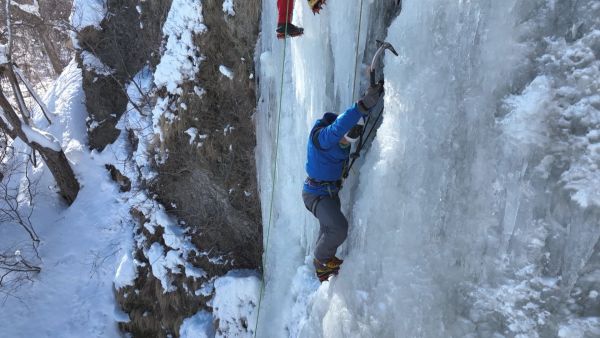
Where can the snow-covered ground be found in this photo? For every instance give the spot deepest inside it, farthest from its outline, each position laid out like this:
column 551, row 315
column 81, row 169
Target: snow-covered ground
column 81, row 244
column 473, row 212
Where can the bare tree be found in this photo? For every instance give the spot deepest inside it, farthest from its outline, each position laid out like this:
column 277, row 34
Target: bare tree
column 14, row 269
column 18, row 190
column 31, row 15
column 41, row 34
column 21, row 127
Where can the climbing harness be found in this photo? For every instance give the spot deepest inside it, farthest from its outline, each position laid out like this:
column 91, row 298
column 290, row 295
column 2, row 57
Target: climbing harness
column 274, row 171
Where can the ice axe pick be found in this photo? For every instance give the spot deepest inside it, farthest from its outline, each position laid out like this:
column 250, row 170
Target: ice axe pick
column 378, row 54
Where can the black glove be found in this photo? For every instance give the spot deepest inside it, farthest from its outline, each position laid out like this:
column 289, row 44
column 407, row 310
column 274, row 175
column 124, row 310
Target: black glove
column 371, row 98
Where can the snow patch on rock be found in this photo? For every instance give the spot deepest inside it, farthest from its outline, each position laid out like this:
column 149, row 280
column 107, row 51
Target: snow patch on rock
column 181, row 58
column 226, row 71
column 88, row 13
column 234, row 303
column 228, row 7
column 199, row 325
column 93, row 63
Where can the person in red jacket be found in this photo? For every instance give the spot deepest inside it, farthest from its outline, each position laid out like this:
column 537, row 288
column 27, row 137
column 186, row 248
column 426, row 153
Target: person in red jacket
column 286, row 11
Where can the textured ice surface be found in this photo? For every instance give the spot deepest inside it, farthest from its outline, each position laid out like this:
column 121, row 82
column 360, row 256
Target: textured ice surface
column 474, row 211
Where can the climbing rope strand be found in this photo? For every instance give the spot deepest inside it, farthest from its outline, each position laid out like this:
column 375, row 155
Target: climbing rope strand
column 362, row 142
column 346, row 171
column 274, row 171
column 356, row 51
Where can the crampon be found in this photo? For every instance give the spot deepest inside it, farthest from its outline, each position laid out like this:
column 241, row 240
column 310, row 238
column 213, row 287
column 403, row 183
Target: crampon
column 316, row 5
column 289, row 30
column 327, row 269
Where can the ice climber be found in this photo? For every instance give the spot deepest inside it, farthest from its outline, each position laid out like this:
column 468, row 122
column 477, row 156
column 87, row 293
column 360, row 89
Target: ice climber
column 328, row 154
column 286, row 11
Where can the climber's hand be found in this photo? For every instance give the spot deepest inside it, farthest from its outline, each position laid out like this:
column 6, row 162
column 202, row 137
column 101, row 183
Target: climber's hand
column 370, row 98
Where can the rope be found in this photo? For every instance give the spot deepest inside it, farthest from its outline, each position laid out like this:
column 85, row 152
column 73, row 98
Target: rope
column 362, row 142
column 346, row 171
column 356, row 51
column 274, row 173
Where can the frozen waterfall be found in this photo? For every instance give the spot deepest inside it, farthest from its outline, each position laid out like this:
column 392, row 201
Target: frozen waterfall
column 475, row 212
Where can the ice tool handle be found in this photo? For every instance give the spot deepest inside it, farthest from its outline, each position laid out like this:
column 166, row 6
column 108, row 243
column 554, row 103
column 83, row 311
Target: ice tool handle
column 380, row 51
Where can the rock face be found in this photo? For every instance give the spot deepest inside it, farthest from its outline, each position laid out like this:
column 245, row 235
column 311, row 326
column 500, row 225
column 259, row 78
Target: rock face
column 202, row 154
column 124, row 47
column 212, row 183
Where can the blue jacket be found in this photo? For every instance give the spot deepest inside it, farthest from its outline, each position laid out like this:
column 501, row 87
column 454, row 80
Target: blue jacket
column 325, row 158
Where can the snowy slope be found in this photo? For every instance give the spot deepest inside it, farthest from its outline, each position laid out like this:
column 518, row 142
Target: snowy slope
column 464, row 220
column 81, row 245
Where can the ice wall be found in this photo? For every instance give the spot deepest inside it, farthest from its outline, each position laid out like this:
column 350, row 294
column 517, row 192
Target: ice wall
column 473, row 212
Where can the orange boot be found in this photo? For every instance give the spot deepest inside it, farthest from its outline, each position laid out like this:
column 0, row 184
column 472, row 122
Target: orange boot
column 328, row 268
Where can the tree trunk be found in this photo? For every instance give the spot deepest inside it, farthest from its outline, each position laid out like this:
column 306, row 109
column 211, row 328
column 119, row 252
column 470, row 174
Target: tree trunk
column 55, row 160
column 49, row 48
column 44, row 34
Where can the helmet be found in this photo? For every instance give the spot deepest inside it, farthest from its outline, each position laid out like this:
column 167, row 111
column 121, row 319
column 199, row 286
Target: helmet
column 354, row 134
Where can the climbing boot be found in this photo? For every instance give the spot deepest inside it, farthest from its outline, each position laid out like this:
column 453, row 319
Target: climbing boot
column 328, row 268
column 291, row 30
column 316, row 5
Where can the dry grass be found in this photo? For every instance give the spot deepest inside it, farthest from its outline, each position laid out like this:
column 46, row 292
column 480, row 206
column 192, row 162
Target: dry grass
column 125, row 47
column 211, row 188
column 214, row 186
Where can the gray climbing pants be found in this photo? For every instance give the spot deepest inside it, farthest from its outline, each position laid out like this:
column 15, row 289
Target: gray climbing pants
column 333, row 224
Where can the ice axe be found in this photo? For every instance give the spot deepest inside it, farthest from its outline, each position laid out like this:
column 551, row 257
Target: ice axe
column 382, row 47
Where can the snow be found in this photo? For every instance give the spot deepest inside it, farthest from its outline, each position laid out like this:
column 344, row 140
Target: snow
column 193, row 133
column 234, row 303
column 161, row 264
column 165, row 260
column 226, row 71
column 33, row 9
column 198, row 326
column 40, row 137
column 82, row 245
column 126, row 272
column 228, row 7
column 92, row 63
column 3, row 51
column 181, row 58
column 86, row 13
column 234, row 307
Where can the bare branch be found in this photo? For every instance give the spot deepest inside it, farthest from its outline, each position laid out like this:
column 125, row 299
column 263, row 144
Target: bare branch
column 33, row 94
column 12, row 78
column 45, row 144
column 9, row 32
